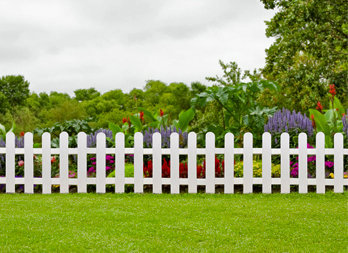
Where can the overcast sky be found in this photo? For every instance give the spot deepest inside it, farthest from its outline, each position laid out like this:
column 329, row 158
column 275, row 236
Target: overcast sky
column 108, row 44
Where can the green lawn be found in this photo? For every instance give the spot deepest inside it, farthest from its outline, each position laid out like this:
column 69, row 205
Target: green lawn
column 155, row 223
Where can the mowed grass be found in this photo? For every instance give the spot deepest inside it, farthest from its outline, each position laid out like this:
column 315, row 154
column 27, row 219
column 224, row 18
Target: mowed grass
column 174, row 223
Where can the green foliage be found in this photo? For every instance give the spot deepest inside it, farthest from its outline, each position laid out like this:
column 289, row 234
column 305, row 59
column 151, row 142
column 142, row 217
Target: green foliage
column 86, row 94
column 310, row 50
column 329, row 121
column 238, row 108
column 14, row 90
column 185, row 117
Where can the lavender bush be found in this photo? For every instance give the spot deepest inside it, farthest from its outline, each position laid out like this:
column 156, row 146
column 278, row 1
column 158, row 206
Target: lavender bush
column 289, row 122
column 165, row 133
column 92, row 138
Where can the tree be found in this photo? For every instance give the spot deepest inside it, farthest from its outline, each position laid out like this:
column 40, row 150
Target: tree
column 86, row 94
column 310, row 50
column 15, row 89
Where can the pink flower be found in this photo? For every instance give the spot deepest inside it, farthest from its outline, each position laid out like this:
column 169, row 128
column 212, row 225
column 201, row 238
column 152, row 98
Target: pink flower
column 108, row 168
column 20, row 163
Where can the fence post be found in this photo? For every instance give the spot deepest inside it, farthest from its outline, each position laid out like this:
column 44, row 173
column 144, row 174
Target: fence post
column 284, row 163
column 138, row 163
column 119, row 167
column 64, row 162
column 192, row 162
column 174, row 163
column 210, row 162
column 10, row 163
column 303, row 167
column 46, row 163
column 266, row 163
column 248, row 163
column 229, row 163
column 320, row 162
column 101, row 153
column 28, row 163
column 338, row 163
column 82, row 163
column 156, row 163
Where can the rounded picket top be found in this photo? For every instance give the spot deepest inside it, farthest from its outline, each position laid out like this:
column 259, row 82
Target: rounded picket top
column 302, row 139
column 101, row 139
column 28, row 136
column 156, row 139
column 229, row 135
column 64, row 135
column 248, row 139
column 320, row 135
column 338, row 138
column 81, row 135
column 46, row 139
column 284, row 137
column 266, row 136
column 10, row 136
column 192, row 136
column 210, row 139
column 138, row 137
column 119, row 139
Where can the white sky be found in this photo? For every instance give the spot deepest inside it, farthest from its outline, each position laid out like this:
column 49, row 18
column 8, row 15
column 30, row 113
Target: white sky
column 66, row 45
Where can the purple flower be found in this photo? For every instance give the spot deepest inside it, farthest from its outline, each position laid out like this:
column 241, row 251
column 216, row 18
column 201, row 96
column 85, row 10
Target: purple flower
column 284, row 121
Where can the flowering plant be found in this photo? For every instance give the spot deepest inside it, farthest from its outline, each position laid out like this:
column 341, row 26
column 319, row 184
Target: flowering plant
column 292, row 123
column 329, row 121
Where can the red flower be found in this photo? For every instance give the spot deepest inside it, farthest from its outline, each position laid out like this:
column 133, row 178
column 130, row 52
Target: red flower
column 142, row 116
column 21, row 134
column 53, row 159
column 124, row 120
column 332, row 90
column 161, row 113
column 319, row 107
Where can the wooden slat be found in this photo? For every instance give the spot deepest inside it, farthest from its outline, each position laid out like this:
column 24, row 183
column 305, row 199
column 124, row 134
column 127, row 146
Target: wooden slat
column 120, row 170
column 28, row 163
column 229, row 163
column 174, row 163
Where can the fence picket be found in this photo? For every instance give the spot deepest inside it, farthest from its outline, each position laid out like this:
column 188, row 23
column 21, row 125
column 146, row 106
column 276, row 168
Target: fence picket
column 82, row 163
column 138, row 163
column 64, row 162
column 320, row 162
column 192, row 162
column 119, row 168
column 210, row 162
column 157, row 163
column 248, row 163
column 266, row 163
column 101, row 153
column 28, row 163
column 10, row 163
column 338, row 163
column 302, row 158
column 284, row 163
column 46, row 163
column 174, row 163
column 229, row 163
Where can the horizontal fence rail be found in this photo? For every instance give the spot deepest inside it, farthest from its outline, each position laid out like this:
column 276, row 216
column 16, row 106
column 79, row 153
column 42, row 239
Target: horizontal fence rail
column 191, row 153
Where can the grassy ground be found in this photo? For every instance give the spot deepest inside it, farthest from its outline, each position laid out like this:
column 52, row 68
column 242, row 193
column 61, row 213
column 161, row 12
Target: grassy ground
column 156, row 223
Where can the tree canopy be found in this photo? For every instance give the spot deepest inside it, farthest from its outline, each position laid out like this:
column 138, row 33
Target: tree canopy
column 310, row 50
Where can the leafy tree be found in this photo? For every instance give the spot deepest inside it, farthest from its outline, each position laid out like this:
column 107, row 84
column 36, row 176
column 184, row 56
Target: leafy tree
column 15, row 89
column 86, row 94
column 310, row 49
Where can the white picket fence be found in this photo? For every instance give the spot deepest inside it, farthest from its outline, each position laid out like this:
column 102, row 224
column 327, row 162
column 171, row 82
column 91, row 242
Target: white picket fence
column 210, row 181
